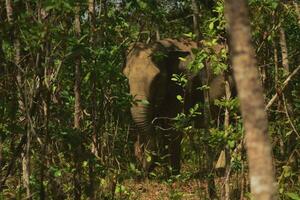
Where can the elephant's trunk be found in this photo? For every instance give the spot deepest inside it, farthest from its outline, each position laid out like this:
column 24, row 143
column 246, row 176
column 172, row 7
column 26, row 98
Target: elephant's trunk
column 142, row 116
column 145, row 146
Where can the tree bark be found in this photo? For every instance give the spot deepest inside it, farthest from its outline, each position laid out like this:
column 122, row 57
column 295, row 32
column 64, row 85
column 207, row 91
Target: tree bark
column 205, row 81
column 250, row 93
column 77, row 110
column 284, row 50
column 287, row 92
column 95, row 146
column 275, row 56
column 297, row 11
column 17, row 58
column 196, row 13
column 2, row 73
column 227, row 150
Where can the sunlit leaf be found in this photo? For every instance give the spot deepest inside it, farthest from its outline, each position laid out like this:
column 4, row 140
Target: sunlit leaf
column 293, row 196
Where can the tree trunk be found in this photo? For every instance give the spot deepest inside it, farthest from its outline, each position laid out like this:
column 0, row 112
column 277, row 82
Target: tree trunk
column 205, row 81
column 2, row 73
column 227, row 150
column 95, row 146
column 196, row 13
column 250, row 93
column 275, row 56
column 17, row 58
column 284, row 51
column 297, row 11
column 287, row 91
column 77, row 111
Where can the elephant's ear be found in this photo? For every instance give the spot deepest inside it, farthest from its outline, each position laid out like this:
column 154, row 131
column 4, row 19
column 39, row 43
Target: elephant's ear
column 177, row 61
column 159, row 57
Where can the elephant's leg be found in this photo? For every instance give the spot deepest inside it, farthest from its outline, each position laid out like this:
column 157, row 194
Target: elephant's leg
column 138, row 149
column 172, row 150
column 150, row 154
column 164, row 150
column 145, row 151
column 175, row 151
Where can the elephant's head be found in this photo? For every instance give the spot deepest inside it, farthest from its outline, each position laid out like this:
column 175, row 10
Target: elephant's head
column 143, row 75
column 149, row 69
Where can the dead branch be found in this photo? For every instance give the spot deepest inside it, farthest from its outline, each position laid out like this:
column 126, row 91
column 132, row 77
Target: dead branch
column 285, row 83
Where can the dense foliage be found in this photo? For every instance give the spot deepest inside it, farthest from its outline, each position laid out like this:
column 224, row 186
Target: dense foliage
column 44, row 155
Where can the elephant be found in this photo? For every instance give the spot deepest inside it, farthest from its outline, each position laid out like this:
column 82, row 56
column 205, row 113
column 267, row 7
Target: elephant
column 149, row 69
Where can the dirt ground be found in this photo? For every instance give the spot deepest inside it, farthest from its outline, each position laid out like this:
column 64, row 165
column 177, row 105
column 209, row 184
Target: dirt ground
column 154, row 190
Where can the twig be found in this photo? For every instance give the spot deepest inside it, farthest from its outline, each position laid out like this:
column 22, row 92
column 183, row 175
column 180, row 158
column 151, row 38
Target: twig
column 282, row 87
column 17, row 152
column 291, row 55
column 287, row 163
column 289, row 118
column 237, row 149
column 159, row 127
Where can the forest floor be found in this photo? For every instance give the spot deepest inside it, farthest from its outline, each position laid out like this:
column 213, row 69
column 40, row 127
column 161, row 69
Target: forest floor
column 184, row 187
column 156, row 190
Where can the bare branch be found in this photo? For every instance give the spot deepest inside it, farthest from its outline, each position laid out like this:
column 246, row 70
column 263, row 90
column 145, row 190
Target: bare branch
column 282, row 87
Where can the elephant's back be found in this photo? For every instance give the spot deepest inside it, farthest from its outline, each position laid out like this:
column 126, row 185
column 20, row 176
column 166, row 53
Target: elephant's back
column 178, row 44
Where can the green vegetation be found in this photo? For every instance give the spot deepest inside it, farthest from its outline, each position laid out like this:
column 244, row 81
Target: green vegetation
column 44, row 155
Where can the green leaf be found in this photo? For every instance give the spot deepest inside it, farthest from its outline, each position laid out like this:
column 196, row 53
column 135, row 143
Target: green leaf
column 182, row 59
column 190, row 34
column 85, row 164
column 204, row 87
column 103, row 182
column 179, row 97
column 231, row 143
column 281, row 190
column 144, row 102
column 288, row 133
column 293, row 196
column 87, row 77
column 143, row 5
column 148, row 158
column 274, row 5
column 132, row 166
column 57, row 173
column 211, row 25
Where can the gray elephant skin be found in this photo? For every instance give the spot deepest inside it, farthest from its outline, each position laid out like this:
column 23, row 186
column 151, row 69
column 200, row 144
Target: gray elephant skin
column 149, row 69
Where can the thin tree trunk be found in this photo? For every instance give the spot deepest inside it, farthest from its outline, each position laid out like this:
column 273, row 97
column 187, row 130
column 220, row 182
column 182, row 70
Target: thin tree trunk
column 1, row 163
column 95, row 138
column 284, row 50
column 157, row 33
column 285, row 64
column 2, row 73
column 196, row 13
column 1, row 160
column 77, row 111
column 17, row 58
column 26, row 166
column 205, row 81
column 227, row 151
column 297, row 11
column 250, row 93
column 276, row 65
column 95, row 146
column 45, row 145
column 43, row 73
column 287, row 92
column 277, row 89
